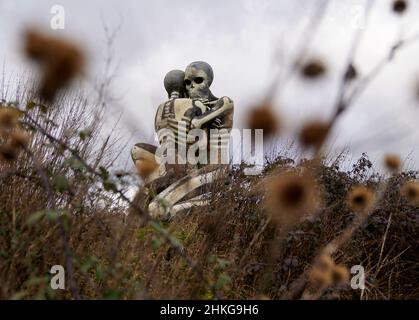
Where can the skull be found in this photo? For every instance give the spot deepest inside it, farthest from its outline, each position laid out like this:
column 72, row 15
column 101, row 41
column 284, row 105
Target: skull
column 198, row 79
column 173, row 83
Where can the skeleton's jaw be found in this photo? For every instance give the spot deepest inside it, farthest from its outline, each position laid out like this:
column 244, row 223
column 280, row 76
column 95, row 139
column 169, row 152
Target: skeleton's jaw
column 199, row 94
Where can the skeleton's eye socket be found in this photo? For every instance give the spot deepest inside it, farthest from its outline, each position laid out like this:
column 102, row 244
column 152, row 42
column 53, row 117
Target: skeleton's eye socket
column 199, row 80
column 188, row 82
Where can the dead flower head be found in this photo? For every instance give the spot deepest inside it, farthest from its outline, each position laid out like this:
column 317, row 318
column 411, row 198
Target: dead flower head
column 19, row 139
column 60, row 61
column 8, row 153
column 314, row 133
column 144, row 159
column 340, row 274
column 361, row 199
column 8, row 117
column 321, row 272
column 319, row 278
column 263, row 117
column 146, row 167
column 410, row 191
column 313, row 69
column 400, row 6
column 292, row 194
column 325, row 272
column 392, row 162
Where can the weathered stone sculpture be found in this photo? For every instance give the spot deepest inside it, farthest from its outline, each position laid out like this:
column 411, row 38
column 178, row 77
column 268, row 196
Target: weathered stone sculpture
column 191, row 105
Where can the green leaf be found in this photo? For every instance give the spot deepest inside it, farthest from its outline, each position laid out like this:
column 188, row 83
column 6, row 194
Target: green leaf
column 141, row 234
column 84, row 134
column 104, row 173
column 109, row 186
column 223, row 263
column 99, row 272
column 112, row 294
column 51, row 215
column 175, row 241
column 88, row 264
column 222, row 281
column 156, row 243
column 60, row 183
column 35, row 217
column 43, row 108
column 156, row 225
column 30, row 105
column 19, row 295
column 74, row 163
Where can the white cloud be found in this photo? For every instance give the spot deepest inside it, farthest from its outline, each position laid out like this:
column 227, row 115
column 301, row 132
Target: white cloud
column 239, row 39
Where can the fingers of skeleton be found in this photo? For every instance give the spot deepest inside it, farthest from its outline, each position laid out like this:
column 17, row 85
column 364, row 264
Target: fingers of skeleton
column 225, row 106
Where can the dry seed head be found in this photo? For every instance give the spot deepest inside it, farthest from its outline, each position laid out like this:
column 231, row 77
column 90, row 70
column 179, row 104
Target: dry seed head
column 319, row 278
column 410, row 191
column 340, row 274
column 325, row 262
column 8, row 153
column 8, row 117
column 361, row 199
column 291, row 195
column 400, row 6
column 392, row 162
column 263, row 117
column 61, row 61
column 313, row 69
column 19, row 139
column 145, row 167
column 314, row 133
column 35, row 45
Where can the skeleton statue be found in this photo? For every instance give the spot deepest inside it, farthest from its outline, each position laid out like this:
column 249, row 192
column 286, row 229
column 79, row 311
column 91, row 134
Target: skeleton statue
column 191, row 105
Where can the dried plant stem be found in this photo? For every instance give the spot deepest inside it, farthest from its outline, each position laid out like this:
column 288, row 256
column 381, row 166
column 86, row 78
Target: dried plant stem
column 52, row 205
column 299, row 286
column 254, row 240
column 166, row 236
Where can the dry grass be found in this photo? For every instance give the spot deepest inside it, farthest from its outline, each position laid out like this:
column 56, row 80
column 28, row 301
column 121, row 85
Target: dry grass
column 292, row 232
column 241, row 253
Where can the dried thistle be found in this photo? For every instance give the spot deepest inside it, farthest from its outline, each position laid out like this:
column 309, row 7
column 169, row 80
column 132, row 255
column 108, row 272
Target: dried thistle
column 263, row 117
column 8, row 153
column 8, row 117
column 19, row 139
column 410, row 191
column 392, row 162
column 361, row 199
column 323, row 274
column 324, row 262
column 61, row 61
column 146, row 167
column 291, row 195
column 313, row 69
column 314, row 133
column 340, row 274
column 400, row 6
column 319, row 278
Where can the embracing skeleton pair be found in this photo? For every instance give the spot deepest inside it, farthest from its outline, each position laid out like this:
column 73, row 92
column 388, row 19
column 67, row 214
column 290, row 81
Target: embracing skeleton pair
column 191, row 106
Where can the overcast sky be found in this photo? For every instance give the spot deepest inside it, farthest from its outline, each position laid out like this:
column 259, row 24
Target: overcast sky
column 247, row 43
